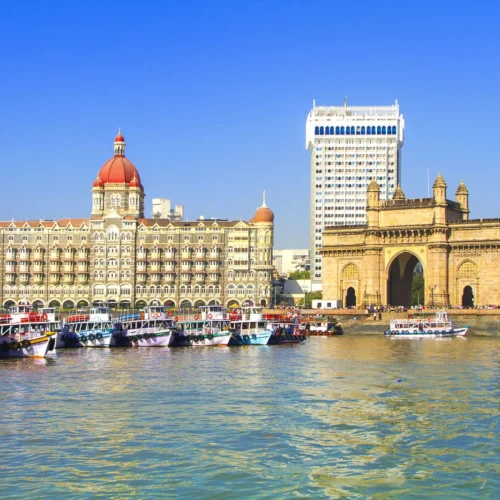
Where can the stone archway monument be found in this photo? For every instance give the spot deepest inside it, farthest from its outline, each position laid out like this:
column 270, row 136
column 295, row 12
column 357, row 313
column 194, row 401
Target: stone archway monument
column 380, row 257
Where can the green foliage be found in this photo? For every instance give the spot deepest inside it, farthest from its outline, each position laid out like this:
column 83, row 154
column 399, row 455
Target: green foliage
column 300, row 275
column 310, row 296
column 418, row 290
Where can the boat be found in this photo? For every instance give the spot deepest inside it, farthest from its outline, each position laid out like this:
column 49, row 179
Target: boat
column 151, row 327
column 248, row 327
column 286, row 333
column 429, row 327
column 323, row 328
column 211, row 327
column 92, row 328
column 26, row 339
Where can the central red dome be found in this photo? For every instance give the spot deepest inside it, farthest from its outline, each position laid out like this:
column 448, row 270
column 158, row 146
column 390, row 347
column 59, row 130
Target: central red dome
column 119, row 170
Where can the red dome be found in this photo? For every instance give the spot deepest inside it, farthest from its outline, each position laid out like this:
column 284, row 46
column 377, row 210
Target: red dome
column 119, row 170
column 135, row 182
column 263, row 214
column 119, row 138
column 97, row 182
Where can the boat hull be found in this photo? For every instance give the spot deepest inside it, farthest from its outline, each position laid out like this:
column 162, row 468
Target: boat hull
column 158, row 339
column 257, row 338
column 69, row 340
column 37, row 348
column 202, row 340
column 286, row 339
column 459, row 332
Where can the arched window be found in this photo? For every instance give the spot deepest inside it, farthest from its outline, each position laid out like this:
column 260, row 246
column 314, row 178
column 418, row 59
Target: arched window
column 347, row 131
column 331, row 130
column 353, row 130
column 383, row 130
column 350, row 272
column 373, row 130
column 467, row 269
column 316, row 130
column 363, row 130
column 389, row 130
column 321, row 130
column 337, row 130
column 368, row 131
column 341, row 130
column 327, row 130
column 379, row 130
column 394, row 129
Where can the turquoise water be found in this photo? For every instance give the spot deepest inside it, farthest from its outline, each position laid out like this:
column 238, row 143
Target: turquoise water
column 356, row 417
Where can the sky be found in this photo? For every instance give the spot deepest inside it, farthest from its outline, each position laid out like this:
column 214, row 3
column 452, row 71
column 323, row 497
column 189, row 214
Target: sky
column 212, row 98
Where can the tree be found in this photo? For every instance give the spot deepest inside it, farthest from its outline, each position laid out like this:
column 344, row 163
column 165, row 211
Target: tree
column 418, row 290
column 310, row 296
column 300, row 275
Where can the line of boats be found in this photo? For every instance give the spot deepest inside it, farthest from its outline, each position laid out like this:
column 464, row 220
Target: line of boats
column 25, row 332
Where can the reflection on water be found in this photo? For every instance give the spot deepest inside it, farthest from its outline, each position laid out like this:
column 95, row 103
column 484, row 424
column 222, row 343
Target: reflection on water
column 332, row 418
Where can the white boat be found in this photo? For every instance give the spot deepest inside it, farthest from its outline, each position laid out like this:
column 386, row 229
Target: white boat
column 27, row 339
column 208, row 328
column 249, row 327
column 431, row 327
column 92, row 328
column 151, row 327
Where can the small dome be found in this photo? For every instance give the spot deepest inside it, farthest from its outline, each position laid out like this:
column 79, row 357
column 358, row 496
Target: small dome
column 462, row 189
column 119, row 137
column 134, row 182
column 398, row 194
column 373, row 186
column 439, row 182
column 263, row 213
column 97, row 182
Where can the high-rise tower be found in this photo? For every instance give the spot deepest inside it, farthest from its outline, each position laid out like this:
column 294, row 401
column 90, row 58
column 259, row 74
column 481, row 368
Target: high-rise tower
column 350, row 146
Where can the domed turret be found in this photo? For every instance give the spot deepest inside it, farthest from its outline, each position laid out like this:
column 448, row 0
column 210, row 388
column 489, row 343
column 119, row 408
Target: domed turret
column 264, row 213
column 97, row 183
column 462, row 197
column 398, row 194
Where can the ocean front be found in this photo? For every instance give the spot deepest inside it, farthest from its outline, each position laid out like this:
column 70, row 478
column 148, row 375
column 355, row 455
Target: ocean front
column 333, row 417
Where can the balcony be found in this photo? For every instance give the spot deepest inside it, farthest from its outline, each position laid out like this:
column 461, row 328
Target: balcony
column 214, row 278
column 37, row 279
column 83, row 279
column 200, row 278
column 155, row 268
column 142, row 278
column 186, row 277
column 186, row 255
column 68, row 279
column 141, row 256
column 141, row 267
column 10, row 278
column 82, row 268
column 24, row 269
column 155, row 256
column 67, row 256
column 55, row 279
column 38, row 268
column 68, row 269
column 155, row 279
column 38, row 256
column 83, row 256
column 169, row 256
column 54, row 268
column 10, row 269
column 170, row 278
column 215, row 255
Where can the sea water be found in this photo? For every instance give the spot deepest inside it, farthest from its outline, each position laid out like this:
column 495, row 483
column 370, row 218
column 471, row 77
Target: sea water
column 337, row 417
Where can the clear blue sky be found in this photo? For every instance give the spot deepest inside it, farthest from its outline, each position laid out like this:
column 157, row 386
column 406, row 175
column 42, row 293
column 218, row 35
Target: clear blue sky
column 212, row 98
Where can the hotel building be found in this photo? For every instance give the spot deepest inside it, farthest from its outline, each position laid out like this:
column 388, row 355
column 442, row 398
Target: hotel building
column 349, row 146
column 120, row 258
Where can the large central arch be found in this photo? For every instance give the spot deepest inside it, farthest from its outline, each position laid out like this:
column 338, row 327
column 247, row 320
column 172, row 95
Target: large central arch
column 402, row 280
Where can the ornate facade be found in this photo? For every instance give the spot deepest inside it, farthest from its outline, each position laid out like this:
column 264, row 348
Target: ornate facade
column 119, row 257
column 374, row 264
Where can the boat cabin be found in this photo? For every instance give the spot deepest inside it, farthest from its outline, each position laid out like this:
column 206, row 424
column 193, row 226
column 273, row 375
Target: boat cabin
column 213, row 312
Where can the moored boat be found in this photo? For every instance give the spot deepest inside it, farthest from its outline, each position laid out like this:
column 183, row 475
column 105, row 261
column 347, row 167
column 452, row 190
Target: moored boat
column 151, row 327
column 248, row 327
column 87, row 329
column 211, row 327
column 431, row 327
column 286, row 333
column 27, row 340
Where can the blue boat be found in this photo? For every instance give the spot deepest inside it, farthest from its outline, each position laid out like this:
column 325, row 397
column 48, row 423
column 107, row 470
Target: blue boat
column 248, row 327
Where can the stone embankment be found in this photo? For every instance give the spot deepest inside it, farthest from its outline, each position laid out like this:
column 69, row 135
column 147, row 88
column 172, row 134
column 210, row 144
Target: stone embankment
column 482, row 322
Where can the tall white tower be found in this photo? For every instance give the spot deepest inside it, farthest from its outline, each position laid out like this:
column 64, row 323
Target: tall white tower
column 350, row 146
